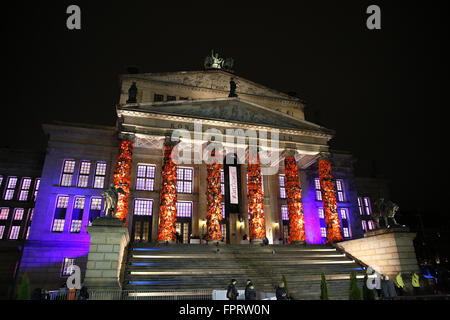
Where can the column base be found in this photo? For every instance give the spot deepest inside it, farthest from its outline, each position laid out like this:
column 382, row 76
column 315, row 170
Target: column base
column 167, row 242
column 256, row 241
column 297, row 243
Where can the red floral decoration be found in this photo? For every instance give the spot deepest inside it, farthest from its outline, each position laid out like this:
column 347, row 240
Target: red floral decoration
column 122, row 178
column 329, row 202
column 257, row 223
column 168, row 199
column 214, row 202
column 294, row 200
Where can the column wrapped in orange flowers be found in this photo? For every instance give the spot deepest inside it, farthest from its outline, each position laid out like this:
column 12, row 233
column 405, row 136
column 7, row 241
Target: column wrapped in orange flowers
column 257, row 223
column 122, row 178
column 294, row 201
column 332, row 220
column 214, row 201
column 168, row 198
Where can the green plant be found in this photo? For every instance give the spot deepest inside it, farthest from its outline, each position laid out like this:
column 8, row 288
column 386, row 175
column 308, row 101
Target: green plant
column 285, row 285
column 323, row 288
column 23, row 289
column 355, row 292
column 368, row 294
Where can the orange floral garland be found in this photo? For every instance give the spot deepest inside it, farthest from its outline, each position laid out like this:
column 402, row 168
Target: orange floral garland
column 122, row 178
column 214, row 202
column 294, row 200
column 257, row 223
column 168, row 199
column 329, row 202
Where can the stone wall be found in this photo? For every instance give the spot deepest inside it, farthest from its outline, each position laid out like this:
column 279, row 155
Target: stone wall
column 391, row 250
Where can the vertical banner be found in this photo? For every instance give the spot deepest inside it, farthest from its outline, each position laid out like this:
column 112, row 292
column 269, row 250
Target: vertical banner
column 234, row 193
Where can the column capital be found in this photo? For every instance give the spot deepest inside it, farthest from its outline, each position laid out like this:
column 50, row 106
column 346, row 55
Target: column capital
column 324, row 155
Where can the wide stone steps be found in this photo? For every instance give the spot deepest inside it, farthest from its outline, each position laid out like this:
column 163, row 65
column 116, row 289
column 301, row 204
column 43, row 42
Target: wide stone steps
column 188, row 267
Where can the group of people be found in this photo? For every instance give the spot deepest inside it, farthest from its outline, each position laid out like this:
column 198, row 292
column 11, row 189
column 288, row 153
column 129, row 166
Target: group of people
column 63, row 294
column 250, row 291
column 387, row 290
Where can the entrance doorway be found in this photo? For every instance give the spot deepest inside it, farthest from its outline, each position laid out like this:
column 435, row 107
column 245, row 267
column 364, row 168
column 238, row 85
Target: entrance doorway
column 184, row 229
column 142, row 228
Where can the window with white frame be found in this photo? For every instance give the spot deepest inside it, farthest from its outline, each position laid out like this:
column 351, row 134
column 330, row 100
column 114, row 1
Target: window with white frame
column 184, row 209
column 4, row 213
column 37, row 183
column 343, row 213
column 185, row 178
column 364, row 225
column 371, row 225
column 321, row 213
column 67, row 175
column 346, row 233
column 95, row 208
column 77, row 215
column 284, row 212
column 10, row 188
column 100, row 174
column 323, row 232
column 145, row 177
column 24, row 189
column 1, row 180
column 83, row 177
column 143, row 207
column 2, row 232
column 14, row 233
column 18, row 213
column 360, row 206
column 66, row 269
column 367, row 206
column 340, row 190
column 318, row 189
column 223, row 210
column 222, row 182
column 60, row 214
column 281, row 179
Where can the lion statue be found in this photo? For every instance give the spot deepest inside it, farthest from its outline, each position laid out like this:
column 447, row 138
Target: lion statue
column 386, row 210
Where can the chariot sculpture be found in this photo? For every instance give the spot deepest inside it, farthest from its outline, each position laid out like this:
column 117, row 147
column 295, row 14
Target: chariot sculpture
column 215, row 62
column 386, row 210
column 111, row 197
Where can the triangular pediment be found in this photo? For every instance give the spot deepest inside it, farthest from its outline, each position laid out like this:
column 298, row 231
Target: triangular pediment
column 233, row 110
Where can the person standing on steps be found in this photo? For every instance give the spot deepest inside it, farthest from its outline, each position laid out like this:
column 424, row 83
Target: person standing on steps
column 281, row 292
column 232, row 292
column 250, row 291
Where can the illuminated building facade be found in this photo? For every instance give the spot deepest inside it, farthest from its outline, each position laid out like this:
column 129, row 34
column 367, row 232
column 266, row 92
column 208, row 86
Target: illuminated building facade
column 163, row 196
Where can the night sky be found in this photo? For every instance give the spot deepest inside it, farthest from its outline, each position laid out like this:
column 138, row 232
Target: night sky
column 382, row 91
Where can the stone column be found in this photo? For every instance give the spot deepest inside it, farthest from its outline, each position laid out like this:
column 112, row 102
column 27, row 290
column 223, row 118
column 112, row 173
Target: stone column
column 122, row 178
column 168, row 198
column 332, row 220
column 107, row 254
column 294, row 201
column 214, row 200
column 257, row 223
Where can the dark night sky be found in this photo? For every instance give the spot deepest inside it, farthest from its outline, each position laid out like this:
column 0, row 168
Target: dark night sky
column 382, row 91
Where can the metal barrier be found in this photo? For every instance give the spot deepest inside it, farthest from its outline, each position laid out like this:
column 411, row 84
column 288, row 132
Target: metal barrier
column 115, row 294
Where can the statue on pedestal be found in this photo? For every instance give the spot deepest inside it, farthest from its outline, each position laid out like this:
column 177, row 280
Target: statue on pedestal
column 111, row 197
column 386, row 210
column 132, row 93
column 232, row 89
column 215, row 62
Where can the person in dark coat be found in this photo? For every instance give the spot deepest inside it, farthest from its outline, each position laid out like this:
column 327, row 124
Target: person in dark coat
column 250, row 291
column 84, row 294
column 281, row 292
column 232, row 292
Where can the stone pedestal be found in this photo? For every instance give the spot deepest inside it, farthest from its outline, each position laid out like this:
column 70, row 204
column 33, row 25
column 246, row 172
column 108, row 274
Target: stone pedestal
column 391, row 250
column 107, row 252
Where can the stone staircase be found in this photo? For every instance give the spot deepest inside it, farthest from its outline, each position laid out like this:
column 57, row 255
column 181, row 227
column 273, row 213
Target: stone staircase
column 156, row 267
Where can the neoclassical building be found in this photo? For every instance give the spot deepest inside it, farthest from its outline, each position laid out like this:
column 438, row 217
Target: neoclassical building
column 307, row 193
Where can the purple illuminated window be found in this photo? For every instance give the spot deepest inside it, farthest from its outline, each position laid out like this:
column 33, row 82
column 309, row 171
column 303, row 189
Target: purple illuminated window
column 223, row 210
column 321, row 213
column 67, row 175
column 222, row 182
column 185, row 180
column 24, row 189
column 28, row 233
column 367, row 206
column 10, row 188
column 364, row 225
column 346, row 234
column 18, row 213
column 143, row 207
column 2, row 231
column 95, row 208
column 83, row 177
column 360, row 206
column 4, row 212
column 318, row 189
column 37, row 183
column 145, row 177
column 282, row 186
column 343, row 213
column 31, row 213
column 14, row 233
column 100, row 173
column 77, row 215
column 60, row 213
column 284, row 212
column 323, row 232
column 340, row 190
column 1, row 180
column 371, row 225
column 184, row 209
column 66, row 269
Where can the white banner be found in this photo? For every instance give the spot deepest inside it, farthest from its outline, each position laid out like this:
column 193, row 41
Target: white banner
column 234, row 196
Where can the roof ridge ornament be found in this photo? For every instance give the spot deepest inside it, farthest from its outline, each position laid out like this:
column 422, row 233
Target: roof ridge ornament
column 215, row 62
